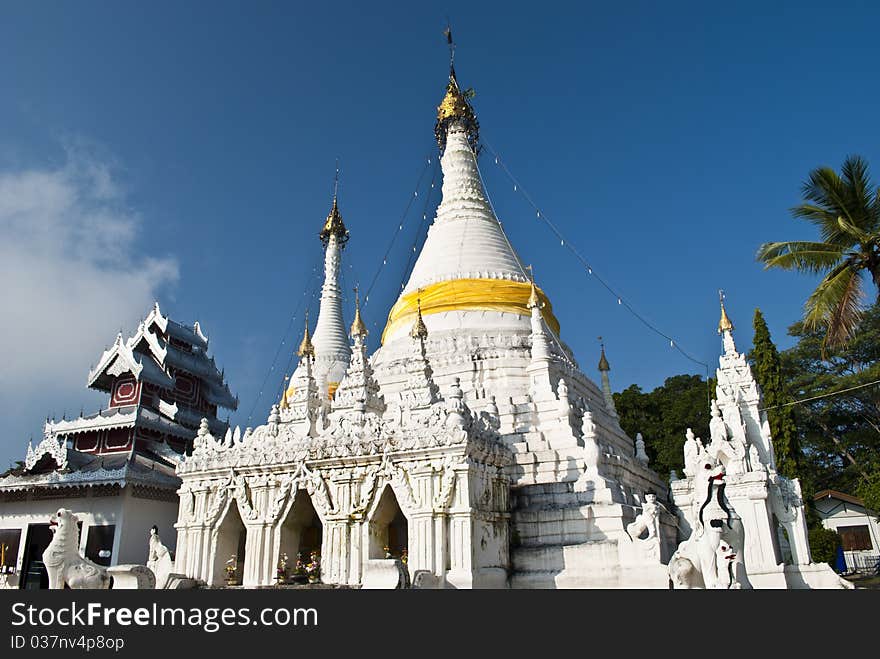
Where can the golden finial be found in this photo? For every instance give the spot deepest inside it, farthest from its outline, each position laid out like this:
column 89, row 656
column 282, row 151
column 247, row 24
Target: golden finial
column 333, row 225
column 534, row 300
column 357, row 326
column 724, row 325
column 419, row 330
column 604, row 366
column 455, row 106
column 306, row 348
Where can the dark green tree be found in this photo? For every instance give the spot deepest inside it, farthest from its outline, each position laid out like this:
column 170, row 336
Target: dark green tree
column 823, row 544
column 663, row 416
column 768, row 373
column 839, row 434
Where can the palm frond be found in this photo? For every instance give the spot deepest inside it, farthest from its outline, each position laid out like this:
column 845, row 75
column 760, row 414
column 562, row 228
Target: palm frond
column 813, row 257
column 852, row 230
column 850, row 196
column 859, row 187
column 836, row 304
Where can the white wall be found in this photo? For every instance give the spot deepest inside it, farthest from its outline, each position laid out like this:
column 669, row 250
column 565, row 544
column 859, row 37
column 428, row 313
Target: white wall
column 132, row 516
column 836, row 513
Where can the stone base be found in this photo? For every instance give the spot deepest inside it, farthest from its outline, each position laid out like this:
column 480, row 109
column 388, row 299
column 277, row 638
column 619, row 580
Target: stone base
column 586, row 565
column 384, row 574
column 132, row 577
column 487, row 578
column 180, row 582
column 812, row 576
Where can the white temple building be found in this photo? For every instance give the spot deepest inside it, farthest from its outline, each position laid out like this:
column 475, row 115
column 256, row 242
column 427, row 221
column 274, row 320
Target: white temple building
column 469, row 443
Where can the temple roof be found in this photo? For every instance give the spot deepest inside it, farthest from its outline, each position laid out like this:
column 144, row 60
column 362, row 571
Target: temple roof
column 147, row 355
column 85, row 470
column 132, row 415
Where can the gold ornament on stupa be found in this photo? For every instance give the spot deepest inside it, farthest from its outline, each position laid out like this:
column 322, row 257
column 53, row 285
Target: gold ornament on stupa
column 456, row 109
column 357, row 325
column 334, row 226
column 604, row 366
column 306, row 348
column 419, row 330
column 724, row 325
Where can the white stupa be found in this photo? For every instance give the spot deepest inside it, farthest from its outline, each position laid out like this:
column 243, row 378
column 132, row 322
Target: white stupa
column 468, row 451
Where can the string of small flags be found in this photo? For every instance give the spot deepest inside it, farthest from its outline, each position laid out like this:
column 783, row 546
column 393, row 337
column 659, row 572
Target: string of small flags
column 541, row 216
column 401, row 222
column 291, row 354
column 420, row 233
column 287, row 334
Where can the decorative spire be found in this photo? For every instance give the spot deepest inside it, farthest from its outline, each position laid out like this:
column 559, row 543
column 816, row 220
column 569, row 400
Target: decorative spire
column 455, row 107
column 333, row 225
column 357, row 326
column 534, row 301
column 725, row 328
column 604, row 367
column 306, row 348
column 724, row 325
column 419, row 330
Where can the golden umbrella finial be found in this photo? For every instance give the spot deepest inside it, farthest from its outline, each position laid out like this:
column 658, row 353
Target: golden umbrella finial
column 306, row 349
column 419, row 330
column 534, row 300
column 604, row 366
column 724, row 325
column 357, row 326
column 333, row 225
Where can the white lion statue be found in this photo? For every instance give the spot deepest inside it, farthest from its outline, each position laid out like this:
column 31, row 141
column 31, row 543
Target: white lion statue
column 711, row 556
column 63, row 562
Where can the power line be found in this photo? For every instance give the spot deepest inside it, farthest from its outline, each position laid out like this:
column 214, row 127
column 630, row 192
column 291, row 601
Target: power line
column 828, row 395
column 286, row 334
column 621, row 301
column 397, row 231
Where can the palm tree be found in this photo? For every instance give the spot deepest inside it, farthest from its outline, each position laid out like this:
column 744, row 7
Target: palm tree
column 846, row 209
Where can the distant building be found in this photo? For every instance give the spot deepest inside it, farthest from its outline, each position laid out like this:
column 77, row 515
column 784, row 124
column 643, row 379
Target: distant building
column 857, row 526
column 115, row 469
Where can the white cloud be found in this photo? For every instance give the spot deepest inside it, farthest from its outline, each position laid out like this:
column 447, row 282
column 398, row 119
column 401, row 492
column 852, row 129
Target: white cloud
column 72, row 274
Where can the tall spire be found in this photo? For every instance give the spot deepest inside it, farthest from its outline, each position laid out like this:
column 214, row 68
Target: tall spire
column 472, row 279
column 332, row 350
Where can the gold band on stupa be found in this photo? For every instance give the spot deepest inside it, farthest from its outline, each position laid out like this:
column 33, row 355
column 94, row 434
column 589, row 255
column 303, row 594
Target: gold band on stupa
column 500, row 295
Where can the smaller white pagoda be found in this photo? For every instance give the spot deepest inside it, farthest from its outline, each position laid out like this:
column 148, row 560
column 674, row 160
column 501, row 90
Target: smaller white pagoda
column 773, row 532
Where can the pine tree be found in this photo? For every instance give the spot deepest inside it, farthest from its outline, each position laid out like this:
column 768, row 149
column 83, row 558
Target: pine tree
column 768, row 372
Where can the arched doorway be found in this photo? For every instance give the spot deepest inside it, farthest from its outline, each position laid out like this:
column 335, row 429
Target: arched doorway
column 388, row 528
column 301, row 532
column 229, row 551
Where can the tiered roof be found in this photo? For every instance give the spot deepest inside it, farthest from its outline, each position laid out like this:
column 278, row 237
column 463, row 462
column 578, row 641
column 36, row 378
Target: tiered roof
column 158, row 353
column 149, row 357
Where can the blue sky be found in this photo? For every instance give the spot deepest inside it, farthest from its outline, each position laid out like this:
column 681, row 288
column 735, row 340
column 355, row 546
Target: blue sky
column 185, row 151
